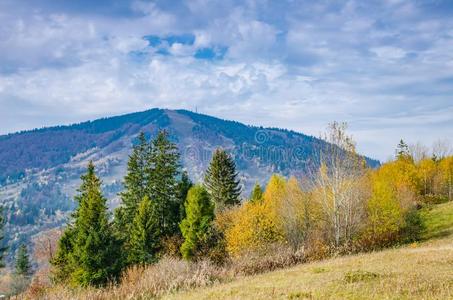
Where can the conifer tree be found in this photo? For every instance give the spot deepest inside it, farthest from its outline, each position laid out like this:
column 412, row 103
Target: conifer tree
column 402, row 150
column 221, row 181
column 195, row 227
column 136, row 182
column 184, row 186
column 62, row 262
column 144, row 234
column 23, row 266
column 88, row 250
column 164, row 162
column 2, row 236
column 257, row 193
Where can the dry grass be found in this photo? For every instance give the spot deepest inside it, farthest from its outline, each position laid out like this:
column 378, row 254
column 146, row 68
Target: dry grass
column 416, row 271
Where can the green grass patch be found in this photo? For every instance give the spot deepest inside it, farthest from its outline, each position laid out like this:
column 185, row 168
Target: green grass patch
column 359, row 275
column 438, row 221
column 319, row 270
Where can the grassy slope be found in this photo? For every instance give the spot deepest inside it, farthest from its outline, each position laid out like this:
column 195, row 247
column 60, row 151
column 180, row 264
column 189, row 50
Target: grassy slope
column 417, row 271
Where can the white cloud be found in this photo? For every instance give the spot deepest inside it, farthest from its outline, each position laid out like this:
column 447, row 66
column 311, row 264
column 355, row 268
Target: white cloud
column 385, row 68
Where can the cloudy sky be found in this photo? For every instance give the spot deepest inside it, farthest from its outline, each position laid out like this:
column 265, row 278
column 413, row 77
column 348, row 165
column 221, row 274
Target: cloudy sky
column 385, row 67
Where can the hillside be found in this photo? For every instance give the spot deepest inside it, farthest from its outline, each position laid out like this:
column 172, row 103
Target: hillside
column 40, row 169
column 416, row 271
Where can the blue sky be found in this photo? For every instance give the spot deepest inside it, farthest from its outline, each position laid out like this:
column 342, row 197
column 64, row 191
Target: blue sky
column 385, row 67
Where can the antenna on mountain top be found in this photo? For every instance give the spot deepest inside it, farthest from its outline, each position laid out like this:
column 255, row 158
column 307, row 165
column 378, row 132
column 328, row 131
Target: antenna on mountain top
column 196, row 109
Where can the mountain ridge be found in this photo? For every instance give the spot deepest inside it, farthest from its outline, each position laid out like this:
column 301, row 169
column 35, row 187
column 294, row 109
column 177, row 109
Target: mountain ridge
column 41, row 168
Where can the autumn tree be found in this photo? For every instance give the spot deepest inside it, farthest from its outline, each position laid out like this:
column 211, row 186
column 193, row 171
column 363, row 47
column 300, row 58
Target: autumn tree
column 336, row 185
column 257, row 193
column 221, row 181
column 296, row 213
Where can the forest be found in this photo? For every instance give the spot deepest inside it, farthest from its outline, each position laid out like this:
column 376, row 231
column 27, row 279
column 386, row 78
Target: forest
column 170, row 233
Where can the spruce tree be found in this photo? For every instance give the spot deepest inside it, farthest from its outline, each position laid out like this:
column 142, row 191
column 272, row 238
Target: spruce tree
column 196, row 225
column 61, row 262
column 221, row 181
column 402, row 150
column 23, row 266
column 164, row 162
column 136, row 185
column 88, row 250
column 144, row 234
column 257, row 193
column 2, row 237
column 184, row 186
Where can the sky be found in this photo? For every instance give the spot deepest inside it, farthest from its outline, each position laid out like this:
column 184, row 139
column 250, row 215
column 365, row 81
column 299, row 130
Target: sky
column 384, row 67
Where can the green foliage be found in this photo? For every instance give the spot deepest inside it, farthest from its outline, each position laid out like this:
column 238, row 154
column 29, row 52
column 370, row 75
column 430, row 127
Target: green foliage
column 135, row 182
column 23, row 266
column 413, row 226
column 221, row 181
column 184, row 186
column 88, row 249
column 257, row 193
column 61, row 262
column 163, row 185
column 402, row 150
column 196, row 225
column 144, row 235
column 2, row 237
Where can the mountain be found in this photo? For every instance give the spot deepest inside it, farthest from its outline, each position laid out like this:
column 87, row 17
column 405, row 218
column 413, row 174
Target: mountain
column 40, row 169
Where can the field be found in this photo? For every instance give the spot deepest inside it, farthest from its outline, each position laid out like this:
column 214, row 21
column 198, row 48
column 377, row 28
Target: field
column 417, row 271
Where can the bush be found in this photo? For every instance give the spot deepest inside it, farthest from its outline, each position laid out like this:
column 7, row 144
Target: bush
column 413, row 226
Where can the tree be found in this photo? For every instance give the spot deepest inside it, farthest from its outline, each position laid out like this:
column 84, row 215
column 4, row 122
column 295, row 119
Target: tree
column 295, row 212
column 257, row 193
column 384, row 213
column 163, row 185
column 144, row 235
column 221, row 181
column 136, row 182
column 23, row 266
column 337, row 185
column 196, row 225
column 402, row 150
column 88, row 250
column 2, row 237
column 184, row 186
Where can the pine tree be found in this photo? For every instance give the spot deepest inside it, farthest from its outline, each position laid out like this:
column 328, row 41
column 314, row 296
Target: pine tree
column 257, row 193
column 23, row 266
column 196, row 225
column 136, row 182
column 402, row 150
column 164, row 162
column 184, row 186
column 221, row 181
column 144, row 235
column 2, row 237
column 88, row 249
column 62, row 262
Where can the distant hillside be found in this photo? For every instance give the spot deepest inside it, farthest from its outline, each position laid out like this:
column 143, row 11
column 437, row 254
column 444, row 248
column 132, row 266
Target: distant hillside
column 40, row 169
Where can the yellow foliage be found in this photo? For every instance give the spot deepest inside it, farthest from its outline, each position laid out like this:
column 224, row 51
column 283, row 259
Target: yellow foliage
column 446, row 171
column 254, row 227
column 385, row 214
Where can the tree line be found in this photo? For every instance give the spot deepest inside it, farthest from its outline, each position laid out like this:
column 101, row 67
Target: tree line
column 341, row 206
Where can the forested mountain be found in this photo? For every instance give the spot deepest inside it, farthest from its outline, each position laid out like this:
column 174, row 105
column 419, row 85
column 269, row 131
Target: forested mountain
column 40, row 169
